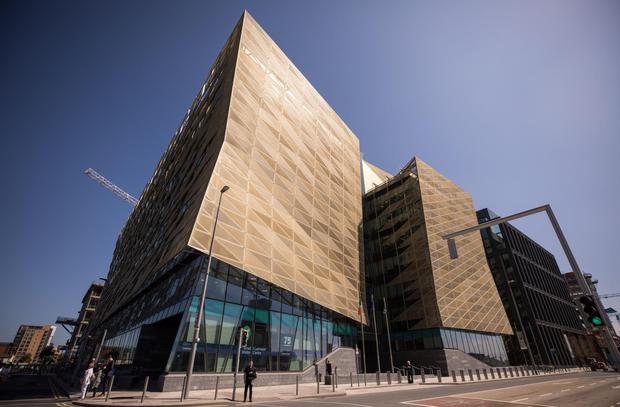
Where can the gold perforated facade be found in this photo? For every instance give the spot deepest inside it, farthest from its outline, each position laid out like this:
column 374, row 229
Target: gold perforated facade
column 292, row 212
column 407, row 259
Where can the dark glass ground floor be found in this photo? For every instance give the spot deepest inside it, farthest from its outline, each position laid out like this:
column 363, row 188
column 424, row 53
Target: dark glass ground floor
column 286, row 332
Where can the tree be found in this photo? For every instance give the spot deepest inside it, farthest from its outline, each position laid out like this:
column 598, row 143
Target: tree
column 48, row 355
column 27, row 358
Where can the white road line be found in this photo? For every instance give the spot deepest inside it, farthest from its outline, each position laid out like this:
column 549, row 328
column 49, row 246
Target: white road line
column 545, row 395
column 592, row 384
column 616, row 387
column 564, row 390
column 580, row 387
column 523, row 399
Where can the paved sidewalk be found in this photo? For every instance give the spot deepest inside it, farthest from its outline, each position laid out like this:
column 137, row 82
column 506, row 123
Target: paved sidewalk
column 273, row 393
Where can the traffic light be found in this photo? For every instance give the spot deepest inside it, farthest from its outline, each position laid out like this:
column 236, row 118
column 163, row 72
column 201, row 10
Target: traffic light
column 589, row 307
column 244, row 338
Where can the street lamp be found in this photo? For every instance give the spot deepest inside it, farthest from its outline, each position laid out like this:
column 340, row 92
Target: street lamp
column 192, row 356
column 585, row 287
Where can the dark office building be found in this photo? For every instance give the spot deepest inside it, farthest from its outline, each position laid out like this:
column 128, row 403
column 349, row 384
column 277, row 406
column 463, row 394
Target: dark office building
column 442, row 312
column 534, row 294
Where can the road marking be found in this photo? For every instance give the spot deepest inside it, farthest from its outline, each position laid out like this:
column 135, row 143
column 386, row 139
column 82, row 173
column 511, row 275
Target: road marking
column 591, row 384
column 545, row 395
column 331, row 402
column 616, row 387
column 564, row 390
column 516, row 401
column 580, row 387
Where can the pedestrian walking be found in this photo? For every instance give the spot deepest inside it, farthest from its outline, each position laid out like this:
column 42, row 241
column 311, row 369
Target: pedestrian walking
column 85, row 380
column 249, row 375
column 409, row 370
column 96, row 380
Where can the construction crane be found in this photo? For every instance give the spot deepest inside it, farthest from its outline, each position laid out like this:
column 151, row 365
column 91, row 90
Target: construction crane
column 110, row 186
column 609, row 295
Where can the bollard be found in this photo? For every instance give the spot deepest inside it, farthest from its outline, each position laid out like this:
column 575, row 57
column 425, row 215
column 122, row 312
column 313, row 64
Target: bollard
column 358, row 379
column 389, row 377
column 454, row 376
column 146, row 384
column 336, row 376
column 318, row 385
column 438, row 376
column 365, row 382
column 333, row 384
column 351, row 376
column 110, row 389
column 378, row 379
column 422, row 375
column 471, row 376
column 399, row 377
column 510, row 370
column 478, row 374
column 297, row 385
column 462, row 375
column 183, row 388
column 217, row 385
column 527, row 370
column 484, row 372
column 492, row 373
column 517, row 371
column 522, row 371
column 499, row 373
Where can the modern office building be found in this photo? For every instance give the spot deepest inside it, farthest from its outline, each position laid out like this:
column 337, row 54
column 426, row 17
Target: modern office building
column 89, row 305
column 286, row 254
column 442, row 312
column 30, row 340
column 535, row 296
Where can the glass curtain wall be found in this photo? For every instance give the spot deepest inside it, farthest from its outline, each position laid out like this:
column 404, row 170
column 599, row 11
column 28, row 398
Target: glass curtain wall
column 286, row 332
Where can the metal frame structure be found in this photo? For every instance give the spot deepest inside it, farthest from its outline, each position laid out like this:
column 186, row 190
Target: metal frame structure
column 585, row 287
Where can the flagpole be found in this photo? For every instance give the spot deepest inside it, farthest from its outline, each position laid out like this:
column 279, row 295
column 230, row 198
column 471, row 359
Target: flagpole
column 363, row 338
column 387, row 324
column 374, row 320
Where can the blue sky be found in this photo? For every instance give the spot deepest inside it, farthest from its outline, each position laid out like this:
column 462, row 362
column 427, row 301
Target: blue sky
column 518, row 102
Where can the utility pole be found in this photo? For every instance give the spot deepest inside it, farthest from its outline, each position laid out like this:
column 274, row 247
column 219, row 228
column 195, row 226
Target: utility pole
column 192, row 355
column 237, row 363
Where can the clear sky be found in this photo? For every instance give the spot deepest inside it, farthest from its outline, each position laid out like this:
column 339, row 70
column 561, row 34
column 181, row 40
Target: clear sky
column 517, row 101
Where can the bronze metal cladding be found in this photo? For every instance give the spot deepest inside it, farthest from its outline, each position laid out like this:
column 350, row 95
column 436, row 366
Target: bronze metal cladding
column 293, row 210
column 467, row 297
column 292, row 213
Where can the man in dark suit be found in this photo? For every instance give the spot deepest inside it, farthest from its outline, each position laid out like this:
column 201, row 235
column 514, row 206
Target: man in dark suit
column 249, row 374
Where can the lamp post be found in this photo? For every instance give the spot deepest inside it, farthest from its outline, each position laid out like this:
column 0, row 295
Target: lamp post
column 585, row 287
column 192, row 355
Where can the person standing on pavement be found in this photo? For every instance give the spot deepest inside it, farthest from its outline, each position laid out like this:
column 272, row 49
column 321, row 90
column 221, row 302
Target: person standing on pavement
column 108, row 372
column 409, row 369
column 96, row 380
column 249, row 375
column 85, row 381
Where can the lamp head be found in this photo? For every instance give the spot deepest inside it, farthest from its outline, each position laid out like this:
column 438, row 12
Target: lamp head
column 224, row 189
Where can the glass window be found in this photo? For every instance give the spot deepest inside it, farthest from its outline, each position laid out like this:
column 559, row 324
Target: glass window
column 235, row 282
column 216, row 287
column 249, row 290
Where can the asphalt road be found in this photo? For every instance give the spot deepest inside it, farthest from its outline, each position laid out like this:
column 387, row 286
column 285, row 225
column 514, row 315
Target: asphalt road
column 32, row 390
column 575, row 390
